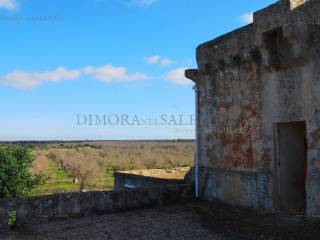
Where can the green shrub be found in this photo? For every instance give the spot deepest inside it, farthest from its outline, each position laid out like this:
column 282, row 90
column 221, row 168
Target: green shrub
column 12, row 217
column 15, row 177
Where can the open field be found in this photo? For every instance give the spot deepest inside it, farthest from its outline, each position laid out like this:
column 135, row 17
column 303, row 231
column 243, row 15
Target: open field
column 87, row 166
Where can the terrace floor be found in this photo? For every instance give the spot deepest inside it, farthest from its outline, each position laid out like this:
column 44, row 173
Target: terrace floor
column 192, row 220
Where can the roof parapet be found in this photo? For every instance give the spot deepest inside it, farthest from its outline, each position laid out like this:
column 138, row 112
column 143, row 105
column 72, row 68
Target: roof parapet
column 192, row 74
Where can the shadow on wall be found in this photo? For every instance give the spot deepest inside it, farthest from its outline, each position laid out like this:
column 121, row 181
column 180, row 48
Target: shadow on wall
column 151, row 178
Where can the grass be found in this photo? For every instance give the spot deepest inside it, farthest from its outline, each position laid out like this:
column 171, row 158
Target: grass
column 61, row 181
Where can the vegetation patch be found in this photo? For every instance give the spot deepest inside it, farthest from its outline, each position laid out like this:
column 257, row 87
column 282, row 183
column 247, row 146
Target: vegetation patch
column 48, row 168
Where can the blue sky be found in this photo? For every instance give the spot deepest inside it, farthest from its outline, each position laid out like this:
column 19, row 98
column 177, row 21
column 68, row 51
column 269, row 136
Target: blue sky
column 62, row 58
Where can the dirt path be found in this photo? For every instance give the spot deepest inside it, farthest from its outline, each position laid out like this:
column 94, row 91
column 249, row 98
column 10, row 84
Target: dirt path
column 193, row 220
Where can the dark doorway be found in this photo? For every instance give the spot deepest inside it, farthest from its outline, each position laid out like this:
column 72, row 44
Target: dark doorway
column 290, row 167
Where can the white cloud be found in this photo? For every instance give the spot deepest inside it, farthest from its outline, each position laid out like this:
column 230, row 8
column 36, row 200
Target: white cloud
column 110, row 73
column 107, row 73
column 153, row 59
column 247, row 18
column 8, row 4
column 177, row 76
column 27, row 80
column 165, row 62
column 156, row 59
column 144, row 3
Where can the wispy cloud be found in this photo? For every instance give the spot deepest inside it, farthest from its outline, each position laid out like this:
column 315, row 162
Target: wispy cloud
column 107, row 73
column 165, row 62
column 156, row 59
column 177, row 76
column 27, row 80
column 143, row 3
column 153, row 59
column 9, row 4
column 110, row 73
column 247, row 18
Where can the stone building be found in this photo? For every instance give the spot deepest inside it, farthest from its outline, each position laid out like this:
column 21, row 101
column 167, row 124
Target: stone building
column 259, row 111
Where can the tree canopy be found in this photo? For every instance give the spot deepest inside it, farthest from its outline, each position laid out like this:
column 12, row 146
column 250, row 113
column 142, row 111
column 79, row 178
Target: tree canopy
column 15, row 177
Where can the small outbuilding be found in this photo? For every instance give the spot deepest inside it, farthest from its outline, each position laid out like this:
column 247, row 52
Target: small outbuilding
column 258, row 102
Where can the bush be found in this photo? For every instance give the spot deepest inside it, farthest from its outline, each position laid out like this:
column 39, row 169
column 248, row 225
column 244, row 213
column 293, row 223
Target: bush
column 12, row 218
column 15, row 177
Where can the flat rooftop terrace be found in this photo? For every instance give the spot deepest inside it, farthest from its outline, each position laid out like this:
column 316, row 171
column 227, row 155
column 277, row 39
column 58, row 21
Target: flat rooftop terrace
column 189, row 220
column 177, row 173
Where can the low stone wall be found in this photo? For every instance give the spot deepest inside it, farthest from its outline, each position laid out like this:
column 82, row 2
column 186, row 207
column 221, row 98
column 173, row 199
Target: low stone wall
column 149, row 178
column 239, row 188
column 35, row 210
column 125, row 181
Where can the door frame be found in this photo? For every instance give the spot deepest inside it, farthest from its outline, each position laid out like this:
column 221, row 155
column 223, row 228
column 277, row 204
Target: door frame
column 276, row 162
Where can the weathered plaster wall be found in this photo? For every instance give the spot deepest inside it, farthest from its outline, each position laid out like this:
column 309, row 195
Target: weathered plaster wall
column 249, row 79
column 230, row 116
column 240, row 188
column 313, row 112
